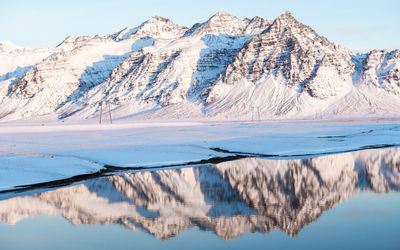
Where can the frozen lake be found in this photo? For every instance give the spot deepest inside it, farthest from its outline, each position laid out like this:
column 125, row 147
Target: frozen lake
column 346, row 201
column 318, row 185
column 38, row 153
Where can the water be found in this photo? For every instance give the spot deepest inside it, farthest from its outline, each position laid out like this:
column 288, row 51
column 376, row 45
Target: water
column 345, row 201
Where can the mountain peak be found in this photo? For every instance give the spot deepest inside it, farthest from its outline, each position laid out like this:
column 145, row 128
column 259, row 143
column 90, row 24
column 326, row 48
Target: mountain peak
column 70, row 42
column 219, row 23
column 7, row 46
column 286, row 19
column 255, row 25
column 221, row 17
column 222, row 14
column 287, row 14
column 212, row 71
column 155, row 27
column 158, row 19
column 286, row 22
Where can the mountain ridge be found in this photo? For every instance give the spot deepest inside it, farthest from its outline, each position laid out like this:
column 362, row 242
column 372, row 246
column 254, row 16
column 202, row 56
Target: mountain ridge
column 223, row 68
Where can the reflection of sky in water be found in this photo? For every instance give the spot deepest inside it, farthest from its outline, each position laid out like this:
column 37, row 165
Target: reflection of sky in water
column 344, row 201
column 366, row 221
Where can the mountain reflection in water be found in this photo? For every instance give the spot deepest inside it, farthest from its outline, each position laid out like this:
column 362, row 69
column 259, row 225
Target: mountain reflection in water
column 229, row 199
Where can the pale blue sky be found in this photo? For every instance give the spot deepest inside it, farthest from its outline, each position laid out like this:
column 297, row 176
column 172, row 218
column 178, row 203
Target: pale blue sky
column 356, row 24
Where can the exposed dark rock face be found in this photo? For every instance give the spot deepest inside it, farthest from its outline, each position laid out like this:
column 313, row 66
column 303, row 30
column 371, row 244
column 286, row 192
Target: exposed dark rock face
column 223, row 67
column 296, row 53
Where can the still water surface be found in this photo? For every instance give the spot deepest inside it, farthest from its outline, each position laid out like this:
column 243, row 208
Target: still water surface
column 344, row 201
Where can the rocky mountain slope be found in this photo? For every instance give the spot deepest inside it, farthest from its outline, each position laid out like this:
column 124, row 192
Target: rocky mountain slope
column 225, row 67
column 230, row 198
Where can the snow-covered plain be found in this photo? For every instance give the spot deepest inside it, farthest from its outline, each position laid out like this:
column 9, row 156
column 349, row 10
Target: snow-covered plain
column 41, row 152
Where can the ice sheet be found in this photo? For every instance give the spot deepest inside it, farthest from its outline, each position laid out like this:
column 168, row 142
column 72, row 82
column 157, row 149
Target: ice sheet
column 36, row 153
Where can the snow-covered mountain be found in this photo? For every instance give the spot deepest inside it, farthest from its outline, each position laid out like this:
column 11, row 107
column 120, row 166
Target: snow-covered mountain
column 225, row 67
column 230, row 198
